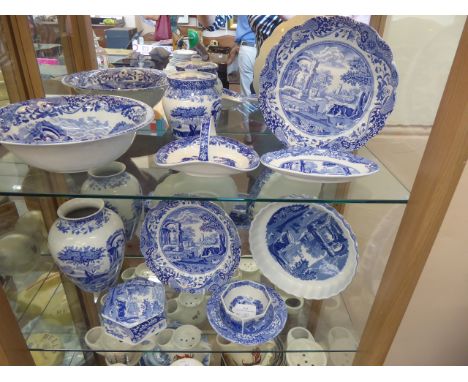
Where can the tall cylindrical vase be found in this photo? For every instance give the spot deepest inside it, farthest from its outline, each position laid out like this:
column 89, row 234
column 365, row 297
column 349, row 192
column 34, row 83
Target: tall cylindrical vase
column 87, row 243
column 112, row 179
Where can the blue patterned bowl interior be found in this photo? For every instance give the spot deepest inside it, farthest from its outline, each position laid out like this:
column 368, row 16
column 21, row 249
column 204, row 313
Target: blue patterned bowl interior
column 200, row 66
column 245, row 303
column 71, row 119
column 117, row 79
column 192, row 80
column 134, row 302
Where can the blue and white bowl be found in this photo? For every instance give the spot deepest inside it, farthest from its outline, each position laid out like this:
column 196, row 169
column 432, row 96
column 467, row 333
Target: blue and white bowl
column 134, row 310
column 141, row 84
column 245, row 305
column 72, row 133
column 261, row 310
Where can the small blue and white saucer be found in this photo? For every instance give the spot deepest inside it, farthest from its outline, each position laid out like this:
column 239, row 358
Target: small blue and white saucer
column 246, row 312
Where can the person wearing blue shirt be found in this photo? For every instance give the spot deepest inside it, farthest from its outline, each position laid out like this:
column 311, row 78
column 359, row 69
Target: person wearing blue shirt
column 246, row 50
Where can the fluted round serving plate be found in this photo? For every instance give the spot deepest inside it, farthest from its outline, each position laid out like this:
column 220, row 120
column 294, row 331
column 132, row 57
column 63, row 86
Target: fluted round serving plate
column 329, row 83
column 315, row 165
column 142, row 84
column 306, row 249
column 72, row 133
column 226, row 156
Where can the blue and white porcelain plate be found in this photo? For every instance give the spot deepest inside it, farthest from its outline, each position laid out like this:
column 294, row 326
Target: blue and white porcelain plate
column 262, row 331
column 319, row 165
column 226, row 156
column 117, row 79
column 329, row 83
column 191, row 246
column 307, row 250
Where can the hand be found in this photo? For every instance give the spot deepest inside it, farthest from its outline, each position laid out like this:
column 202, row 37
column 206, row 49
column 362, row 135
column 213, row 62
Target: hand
column 232, row 54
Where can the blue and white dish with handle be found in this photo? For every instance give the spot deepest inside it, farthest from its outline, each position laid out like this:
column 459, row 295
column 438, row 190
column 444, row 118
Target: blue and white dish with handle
column 246, row 312
column 308, row 250
column 134, row 310
column 318, row 165
column 192, row 246
column 72, row 133
column 207, row 155
column 329, row 83
column 142, row 84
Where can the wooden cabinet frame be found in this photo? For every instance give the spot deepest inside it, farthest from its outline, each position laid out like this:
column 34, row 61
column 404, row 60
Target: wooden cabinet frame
column 438, row 175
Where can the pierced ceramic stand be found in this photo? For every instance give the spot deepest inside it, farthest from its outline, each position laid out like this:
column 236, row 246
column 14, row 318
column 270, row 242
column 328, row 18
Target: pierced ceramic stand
column 302, row 350
column 174, row 344
column 113, row 350
column 187, row 309
column 341, row 338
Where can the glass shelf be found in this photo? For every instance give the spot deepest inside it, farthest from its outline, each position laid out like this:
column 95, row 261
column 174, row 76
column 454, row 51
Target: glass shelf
column 64, row 340
column 18, row 179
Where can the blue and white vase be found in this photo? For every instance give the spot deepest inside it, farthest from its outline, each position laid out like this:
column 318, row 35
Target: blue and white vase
column 87, row 243
column 112, row 179
column 190, row 99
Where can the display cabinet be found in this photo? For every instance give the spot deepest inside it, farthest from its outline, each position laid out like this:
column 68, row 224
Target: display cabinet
column 47, row 320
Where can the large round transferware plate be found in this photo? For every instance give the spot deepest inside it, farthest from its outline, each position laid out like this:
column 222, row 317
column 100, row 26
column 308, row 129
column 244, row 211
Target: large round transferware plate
column 141, row 84
column 190, row 245
column 307, row 250
column 329, row 83
column 72, row 133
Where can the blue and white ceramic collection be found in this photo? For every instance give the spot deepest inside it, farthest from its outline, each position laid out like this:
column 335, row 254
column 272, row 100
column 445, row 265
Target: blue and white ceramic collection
column 87, row 243
column 329, row 83
column 190, row 99
column 207, row 155
column 112, row 179
column 72, row 133
column 318, row 165
column 246, row 312
column 134, row 310
column 191, row 246
column 142, row 84
column 307, row 250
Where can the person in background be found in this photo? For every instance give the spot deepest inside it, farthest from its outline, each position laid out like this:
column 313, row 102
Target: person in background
column 246, row 51
column 155, row 18
column 264, row 25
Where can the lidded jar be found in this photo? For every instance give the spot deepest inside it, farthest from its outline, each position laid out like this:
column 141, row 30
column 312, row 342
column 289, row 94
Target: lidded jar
column 190, row 99
column 87, row 243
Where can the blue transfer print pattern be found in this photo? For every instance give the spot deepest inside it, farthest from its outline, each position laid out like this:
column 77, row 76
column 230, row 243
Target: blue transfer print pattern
column 117, row 79
column 189, row 245
column 329, row 83
column 186, row 121
column 84, row 225
column 255, row 332
column 134, row 309
column 163, row 156
column 93, row 269
column 323, row 163
column 69, row 119
column 308, row 243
